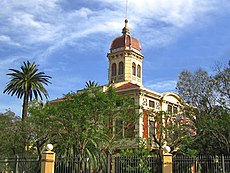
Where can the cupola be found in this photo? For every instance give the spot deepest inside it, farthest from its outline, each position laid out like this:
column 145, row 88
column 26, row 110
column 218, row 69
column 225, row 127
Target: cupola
column 126, row 41
column 125, row 59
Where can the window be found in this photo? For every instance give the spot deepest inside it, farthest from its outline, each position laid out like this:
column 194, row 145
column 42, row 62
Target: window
column 129, row 130
column 170, row 108
column 119, row 103
column 133, row 99
column 151, row 104
column 114, row 69
column 121, row 68
column 124, row 130
column 119, row 128
column 175, row 110
column 138, row 71
column 134, row 69
column 152, row 129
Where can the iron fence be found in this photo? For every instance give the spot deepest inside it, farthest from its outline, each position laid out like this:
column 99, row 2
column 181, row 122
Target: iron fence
column 76, row 165
column 122, row 164
column 20, row 165
column 201, row 164
column 135, row 164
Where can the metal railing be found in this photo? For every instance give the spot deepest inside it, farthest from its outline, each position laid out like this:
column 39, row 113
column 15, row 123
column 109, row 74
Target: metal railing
column 122, row 164
column 20, row 165
column 135, row 164
column 201, row 164
column 76, row 165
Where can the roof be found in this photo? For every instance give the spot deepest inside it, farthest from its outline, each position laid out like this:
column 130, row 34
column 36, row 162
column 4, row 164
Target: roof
column 128, row 85
column 125, row 41
column 56, row 100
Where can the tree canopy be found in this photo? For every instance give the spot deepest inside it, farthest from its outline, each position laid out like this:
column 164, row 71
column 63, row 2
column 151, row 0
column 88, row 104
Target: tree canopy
column 209, row 96
column 27, row 83
column 11, row 134
column 84, row 124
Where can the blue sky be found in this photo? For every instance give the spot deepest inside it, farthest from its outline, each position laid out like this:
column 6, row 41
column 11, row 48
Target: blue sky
column 69, row 39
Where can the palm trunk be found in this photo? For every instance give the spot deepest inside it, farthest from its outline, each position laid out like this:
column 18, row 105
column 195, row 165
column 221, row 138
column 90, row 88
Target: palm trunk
column 25, row 106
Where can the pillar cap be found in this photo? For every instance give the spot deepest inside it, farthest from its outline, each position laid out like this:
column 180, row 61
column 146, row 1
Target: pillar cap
column 167, row 149
column 49, row 147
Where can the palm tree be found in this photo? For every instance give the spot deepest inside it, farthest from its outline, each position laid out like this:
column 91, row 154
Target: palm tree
column 27, row 83
column 91, row 84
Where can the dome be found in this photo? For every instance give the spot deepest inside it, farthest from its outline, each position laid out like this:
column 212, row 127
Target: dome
column 125, row 41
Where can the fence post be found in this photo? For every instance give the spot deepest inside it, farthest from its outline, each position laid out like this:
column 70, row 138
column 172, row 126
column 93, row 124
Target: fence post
column 16, row 164
column 167, row 160
column 113, row 165
column 48, row 160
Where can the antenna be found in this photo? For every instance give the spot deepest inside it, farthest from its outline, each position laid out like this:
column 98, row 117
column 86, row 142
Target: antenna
column 126, row 10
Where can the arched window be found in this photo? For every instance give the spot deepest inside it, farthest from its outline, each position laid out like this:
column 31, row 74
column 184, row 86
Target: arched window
column 138, row 71
column 121, row 68
column 134, row 69
column 114, row 69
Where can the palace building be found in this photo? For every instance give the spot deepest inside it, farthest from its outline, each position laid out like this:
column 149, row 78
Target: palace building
column 125, row 73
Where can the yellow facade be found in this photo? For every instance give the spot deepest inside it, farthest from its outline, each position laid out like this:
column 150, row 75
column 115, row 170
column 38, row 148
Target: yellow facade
column 127, row 50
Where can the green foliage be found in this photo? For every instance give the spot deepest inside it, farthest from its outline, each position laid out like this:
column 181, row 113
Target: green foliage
column 196, row 88
column 41, row 127
column 91, row 84
column 12, row 134
column 27, row 84
column 209, row 96
column 173, row 130
column 82, row 124
column 140, row 159
column 221, row 83
column 213, row 135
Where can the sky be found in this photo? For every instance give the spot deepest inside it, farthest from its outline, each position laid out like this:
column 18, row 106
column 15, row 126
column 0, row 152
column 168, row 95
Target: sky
column 70, row 39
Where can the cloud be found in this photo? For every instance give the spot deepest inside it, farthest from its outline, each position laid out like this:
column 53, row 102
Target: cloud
column 33, row 23
column 40, row 30
column 4, row 39
column 161, row 86
column 5, row 63
column 44, row 27
column 163, row 22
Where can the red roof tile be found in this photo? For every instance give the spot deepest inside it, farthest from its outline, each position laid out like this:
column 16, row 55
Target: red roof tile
column 125, row 41
column 127, row 86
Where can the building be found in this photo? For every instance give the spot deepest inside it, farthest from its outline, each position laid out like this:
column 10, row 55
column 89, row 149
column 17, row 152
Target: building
column 125, row 73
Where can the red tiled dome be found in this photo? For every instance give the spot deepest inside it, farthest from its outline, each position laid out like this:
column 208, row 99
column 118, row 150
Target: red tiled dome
column 125, row 40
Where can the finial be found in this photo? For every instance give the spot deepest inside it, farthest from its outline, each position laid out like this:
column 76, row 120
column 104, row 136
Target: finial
column 125, row 30
column 126, row 9
column 49, row 147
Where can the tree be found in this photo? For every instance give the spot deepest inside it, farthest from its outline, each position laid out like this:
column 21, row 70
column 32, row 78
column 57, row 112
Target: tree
column 85, row 124
column 91, row 84
column 196, row 89
column 26, row 84
column 210, row 100
column 42, row 127
column 171, row 129
column 221, row 83
column 12, row 137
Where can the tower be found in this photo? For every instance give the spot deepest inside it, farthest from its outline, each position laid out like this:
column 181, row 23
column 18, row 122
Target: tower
column 125, row 59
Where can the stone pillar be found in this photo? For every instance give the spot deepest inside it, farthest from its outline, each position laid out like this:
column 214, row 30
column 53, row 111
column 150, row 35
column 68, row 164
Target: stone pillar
column 167, row 163
column 48, row 161
column 113, row 164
